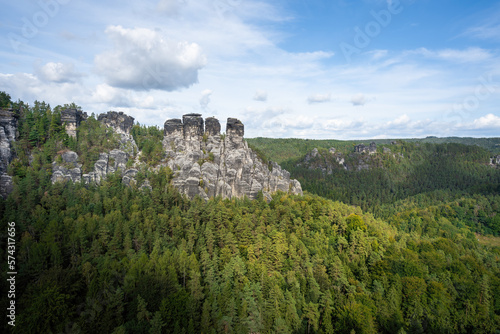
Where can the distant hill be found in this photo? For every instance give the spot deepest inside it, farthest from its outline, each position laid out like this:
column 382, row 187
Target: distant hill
column 281, row 150
column 397, row 174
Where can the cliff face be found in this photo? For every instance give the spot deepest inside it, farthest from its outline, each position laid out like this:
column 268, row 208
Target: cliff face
column 8, row 135
column 207, row 164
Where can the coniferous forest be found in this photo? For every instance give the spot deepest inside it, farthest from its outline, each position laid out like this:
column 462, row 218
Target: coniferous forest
column 404, row 246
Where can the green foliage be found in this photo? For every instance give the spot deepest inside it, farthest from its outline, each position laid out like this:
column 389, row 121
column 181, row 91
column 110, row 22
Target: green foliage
column 93, row 138
column 110, row 258
column 5, row 100
column 115, row 259
column 149, row 141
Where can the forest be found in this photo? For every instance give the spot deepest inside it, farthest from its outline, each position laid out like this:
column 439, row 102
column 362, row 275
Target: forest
column 112, row 258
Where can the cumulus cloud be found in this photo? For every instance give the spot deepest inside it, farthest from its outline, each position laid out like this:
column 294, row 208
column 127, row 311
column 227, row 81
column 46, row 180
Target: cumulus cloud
column 319, row 98
column 142, row 59
column 260, row 95
column 57, row 72
column 359, row 100
column 489, row 121
column 205, row 98
column 104, row 93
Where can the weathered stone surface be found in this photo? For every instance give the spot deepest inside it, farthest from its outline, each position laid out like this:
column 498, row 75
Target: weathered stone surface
column 234, row 134
column 208, row 167
column 8, row 135
column 70, row 157
column 173, row 127
column 119, row 121
column 128, row 177
column 234, row 127
column 70, row 170
column 72, row 119
column 495, row 161
column 212, row 127
column 372, row 148
column 6, row 185
column 311, row 155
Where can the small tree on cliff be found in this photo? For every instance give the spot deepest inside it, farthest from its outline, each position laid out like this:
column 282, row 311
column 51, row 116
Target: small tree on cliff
column 4, row 100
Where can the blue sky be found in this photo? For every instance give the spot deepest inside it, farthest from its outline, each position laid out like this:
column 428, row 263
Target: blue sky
column 339, row 69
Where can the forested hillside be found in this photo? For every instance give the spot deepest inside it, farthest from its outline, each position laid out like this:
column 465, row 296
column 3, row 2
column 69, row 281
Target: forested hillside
column 403, row 177
column 118, row 258
column 284, row 149
column 110, row 259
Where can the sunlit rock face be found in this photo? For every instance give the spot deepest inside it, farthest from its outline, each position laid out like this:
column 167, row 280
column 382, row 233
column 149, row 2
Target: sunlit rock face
column 208, row 164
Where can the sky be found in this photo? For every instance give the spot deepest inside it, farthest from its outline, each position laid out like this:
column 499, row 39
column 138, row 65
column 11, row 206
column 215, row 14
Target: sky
column 338, row 69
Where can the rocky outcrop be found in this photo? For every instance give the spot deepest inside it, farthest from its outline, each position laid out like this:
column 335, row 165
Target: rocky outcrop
column 72, row 119
column 69, row 170
column 119, row 121
column 208, row 164
column 122, row 125
column 495, row 161
column 8, row 135
column 366, row 149
column 6, row 185
column 108, row 163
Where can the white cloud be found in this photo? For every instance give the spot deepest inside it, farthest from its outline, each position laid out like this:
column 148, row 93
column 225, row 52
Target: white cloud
column 58, row 72
column 260, row 95
column 489, row 121
column 402, row 120
column 472, row 54
column 205, row 98
column 341, row 124
column 359, row 100
column 142, row 59
column 319, row 98
column 107, row 94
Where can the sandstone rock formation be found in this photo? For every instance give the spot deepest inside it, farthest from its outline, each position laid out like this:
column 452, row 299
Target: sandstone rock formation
column 495, row 161
column 108, row 163
column 115, row 160
column 208, row 164
column 122, row 125
column 70, row 170
column 8, row 135
column 366, row 149
column 119, row 121
column 72, row 119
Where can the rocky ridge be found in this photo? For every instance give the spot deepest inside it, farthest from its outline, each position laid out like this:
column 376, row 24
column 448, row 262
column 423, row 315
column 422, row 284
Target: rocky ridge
column 327, row 160
column 204, row 162
column 208, row 164
column 115, row 160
